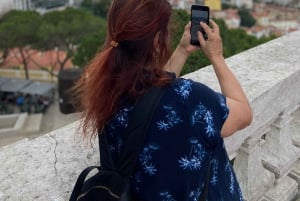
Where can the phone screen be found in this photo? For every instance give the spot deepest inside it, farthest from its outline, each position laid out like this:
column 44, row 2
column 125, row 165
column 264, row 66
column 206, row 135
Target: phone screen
column 198, row 14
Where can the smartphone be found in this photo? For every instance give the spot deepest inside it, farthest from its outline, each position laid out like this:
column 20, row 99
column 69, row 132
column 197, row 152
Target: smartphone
column 198, row 14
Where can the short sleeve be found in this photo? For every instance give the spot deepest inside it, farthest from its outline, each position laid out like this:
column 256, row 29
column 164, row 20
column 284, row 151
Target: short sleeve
column 209, row 112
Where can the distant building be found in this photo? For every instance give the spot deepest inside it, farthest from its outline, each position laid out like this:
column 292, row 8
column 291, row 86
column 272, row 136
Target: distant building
column 23, row 5
column 213, row 4
column 74, row 3
column 286, row 26
column 258, row 31
column 230, row 17
column 262, row 18
column 240, row 3
column 42, row 6
column 280, row 2
column 5, row 6
column 185, row 4
column 280, row 18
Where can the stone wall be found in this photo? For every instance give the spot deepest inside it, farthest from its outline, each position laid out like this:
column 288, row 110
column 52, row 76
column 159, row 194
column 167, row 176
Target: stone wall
column 14, row 127
column 266, row 154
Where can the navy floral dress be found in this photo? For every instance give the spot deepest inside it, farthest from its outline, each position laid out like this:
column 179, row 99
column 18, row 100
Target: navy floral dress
column 185, row 130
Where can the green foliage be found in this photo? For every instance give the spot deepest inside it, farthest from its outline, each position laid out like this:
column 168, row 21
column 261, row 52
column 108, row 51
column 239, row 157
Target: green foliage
column 87, row 49
column 98, row 8
column 179, row 19
column 246, row 19
column 19, row 29
column 228, row 6
column 63, row 30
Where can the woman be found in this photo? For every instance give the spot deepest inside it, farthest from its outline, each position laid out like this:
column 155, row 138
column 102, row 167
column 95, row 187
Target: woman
column 191, row 120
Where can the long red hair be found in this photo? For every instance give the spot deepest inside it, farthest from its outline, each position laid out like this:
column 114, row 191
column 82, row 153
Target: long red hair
column 140, row 30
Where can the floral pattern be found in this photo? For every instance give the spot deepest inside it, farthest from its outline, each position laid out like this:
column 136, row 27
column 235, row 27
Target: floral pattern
column 175, row 151
column 146, row 159
column 183, row 89
column 214, row 171
column 195, row 158
column 166, row 196
column 194, row 195
column 204, row 116
column 171, row 119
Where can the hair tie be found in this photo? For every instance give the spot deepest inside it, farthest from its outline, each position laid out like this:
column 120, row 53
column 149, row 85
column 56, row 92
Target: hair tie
column 114, row 43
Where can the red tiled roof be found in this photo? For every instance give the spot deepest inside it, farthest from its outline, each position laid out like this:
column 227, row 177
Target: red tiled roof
column 46, row 59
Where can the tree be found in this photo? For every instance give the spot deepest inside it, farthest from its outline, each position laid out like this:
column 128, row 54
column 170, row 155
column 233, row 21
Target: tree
column 246, row 19
column 3, row 55
column 87, row 48
column 63, row 30
column 97, row 7
column 18, row 29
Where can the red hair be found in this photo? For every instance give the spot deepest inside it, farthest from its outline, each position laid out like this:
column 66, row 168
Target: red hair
column 140, row 28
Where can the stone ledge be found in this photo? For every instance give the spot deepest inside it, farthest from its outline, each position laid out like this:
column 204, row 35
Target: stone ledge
column 22, row 125
column 44, row 168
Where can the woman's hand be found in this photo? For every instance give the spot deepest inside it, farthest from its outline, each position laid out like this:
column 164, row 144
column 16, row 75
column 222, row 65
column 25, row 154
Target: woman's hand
column 212, row 47
column 181, row 53
column 184, row 44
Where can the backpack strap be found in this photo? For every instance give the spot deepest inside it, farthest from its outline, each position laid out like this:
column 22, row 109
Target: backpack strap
column 80, row 181
column 137, row 125
column 137, row 129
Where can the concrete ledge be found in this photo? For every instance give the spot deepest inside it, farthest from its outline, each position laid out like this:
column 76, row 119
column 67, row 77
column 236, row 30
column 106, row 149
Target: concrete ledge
column 12, row 121
column 44, row 168
column 22, row 124
column 33, row 123
column 19, row 121
column 7, row 121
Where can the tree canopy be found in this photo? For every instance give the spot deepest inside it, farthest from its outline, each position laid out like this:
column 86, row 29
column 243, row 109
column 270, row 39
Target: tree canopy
column 18, row 29
column 81, row 34
column 97, row 7
column 87, row 48
column 246, row 19
column 64, row 30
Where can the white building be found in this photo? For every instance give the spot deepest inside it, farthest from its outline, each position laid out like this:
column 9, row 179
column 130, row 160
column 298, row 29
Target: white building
column 280, row 2
column 230, row 17
column 5, row 6
column 285, row 25
column 74, row 3
column 23, row 5
column 240, row 3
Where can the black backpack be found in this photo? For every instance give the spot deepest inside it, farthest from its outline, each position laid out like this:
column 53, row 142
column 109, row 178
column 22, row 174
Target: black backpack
column 111, row 182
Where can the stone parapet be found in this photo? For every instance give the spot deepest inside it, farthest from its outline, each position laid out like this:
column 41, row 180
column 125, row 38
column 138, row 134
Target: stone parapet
column 44, row 168
column 14, row 127
column 265, row 155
